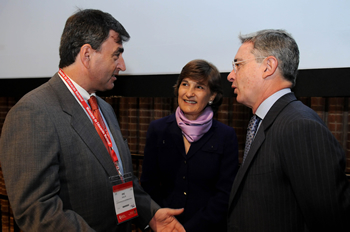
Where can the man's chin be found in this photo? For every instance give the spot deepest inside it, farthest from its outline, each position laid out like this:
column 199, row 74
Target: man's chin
column 111, row 83
column 111, row 86
column 238, row 99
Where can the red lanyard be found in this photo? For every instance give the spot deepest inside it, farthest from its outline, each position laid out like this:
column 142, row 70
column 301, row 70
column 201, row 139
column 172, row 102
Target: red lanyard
column 92, row 116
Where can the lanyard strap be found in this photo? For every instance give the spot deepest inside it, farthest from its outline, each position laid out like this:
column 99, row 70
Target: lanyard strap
column 87, row 108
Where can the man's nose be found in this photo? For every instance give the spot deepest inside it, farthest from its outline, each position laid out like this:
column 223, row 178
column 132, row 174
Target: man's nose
column 231, row 77
column 121, row 63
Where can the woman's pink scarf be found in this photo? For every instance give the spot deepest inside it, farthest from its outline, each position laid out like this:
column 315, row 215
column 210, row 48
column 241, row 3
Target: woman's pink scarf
column 193, row 130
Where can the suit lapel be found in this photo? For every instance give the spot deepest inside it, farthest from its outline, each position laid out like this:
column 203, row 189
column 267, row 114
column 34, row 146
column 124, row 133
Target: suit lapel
column 259, row 139
column 115, row 130
column 82, row 125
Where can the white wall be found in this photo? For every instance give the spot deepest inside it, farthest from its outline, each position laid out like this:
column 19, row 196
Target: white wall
column 166, row 34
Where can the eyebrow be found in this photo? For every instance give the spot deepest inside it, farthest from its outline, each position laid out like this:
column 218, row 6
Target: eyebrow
column 118, row 51
column 202, row 83
column 197, row 82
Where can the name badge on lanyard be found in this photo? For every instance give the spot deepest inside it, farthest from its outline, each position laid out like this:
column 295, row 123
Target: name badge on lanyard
column 123, row 191
column 123, row 196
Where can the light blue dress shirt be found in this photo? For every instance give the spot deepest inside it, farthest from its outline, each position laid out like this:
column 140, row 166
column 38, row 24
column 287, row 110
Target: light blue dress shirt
column 266, row 105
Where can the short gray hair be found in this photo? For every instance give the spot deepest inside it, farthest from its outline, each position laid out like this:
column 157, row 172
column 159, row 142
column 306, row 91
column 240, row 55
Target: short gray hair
column 277, row 43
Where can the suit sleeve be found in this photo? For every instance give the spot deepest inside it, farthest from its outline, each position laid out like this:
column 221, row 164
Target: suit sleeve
column 29, row 151
column 146, row 207
column 314, row 163
column 215, row 210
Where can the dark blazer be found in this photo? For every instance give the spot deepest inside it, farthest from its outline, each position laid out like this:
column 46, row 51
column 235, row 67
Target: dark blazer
column 200, row 182
column 294, row 176
column 56, row 167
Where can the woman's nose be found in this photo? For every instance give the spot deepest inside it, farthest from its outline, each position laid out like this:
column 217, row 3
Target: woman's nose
column 190, row 92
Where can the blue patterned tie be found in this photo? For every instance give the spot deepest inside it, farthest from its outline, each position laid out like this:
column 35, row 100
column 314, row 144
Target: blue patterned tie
column 252, row 127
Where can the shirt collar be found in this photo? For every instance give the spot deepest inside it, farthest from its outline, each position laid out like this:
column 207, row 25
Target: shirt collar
column 266, row 105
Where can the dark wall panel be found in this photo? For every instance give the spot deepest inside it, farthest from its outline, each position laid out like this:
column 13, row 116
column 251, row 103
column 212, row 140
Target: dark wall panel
column 310, row 83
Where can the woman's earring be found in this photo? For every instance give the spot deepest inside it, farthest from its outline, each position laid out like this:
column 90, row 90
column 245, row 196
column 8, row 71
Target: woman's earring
column 210, row 102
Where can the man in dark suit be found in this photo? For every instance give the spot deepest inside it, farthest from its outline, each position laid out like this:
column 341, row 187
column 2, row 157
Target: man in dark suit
column 292, row 177
column 56, row 167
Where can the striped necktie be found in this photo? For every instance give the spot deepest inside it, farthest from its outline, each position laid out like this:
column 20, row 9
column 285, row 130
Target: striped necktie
column 252, row 127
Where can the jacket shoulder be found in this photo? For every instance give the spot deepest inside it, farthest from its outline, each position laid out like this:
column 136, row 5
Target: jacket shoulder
column 163, row 122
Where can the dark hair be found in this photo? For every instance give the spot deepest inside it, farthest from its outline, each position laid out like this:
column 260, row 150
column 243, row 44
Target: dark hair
column 87, row 27
column 277, row 43
column 201, row 70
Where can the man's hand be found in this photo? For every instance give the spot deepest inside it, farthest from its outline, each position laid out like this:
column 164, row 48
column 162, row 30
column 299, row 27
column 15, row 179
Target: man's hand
column 164, row 220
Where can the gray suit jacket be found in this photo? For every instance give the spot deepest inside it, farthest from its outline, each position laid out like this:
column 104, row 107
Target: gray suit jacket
column 293, row 178
column 56, row 168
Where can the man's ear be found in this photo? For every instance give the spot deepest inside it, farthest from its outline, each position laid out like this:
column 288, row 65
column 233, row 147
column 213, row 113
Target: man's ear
column 85, row 55
column 271, row 64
